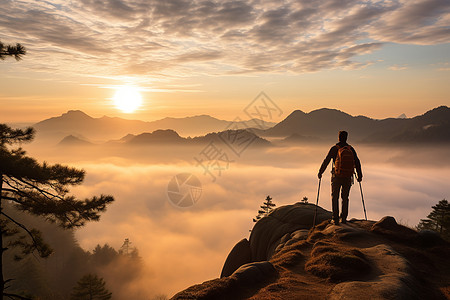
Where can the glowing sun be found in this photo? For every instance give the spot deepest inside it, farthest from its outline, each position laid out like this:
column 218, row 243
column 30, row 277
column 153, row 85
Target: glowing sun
column 127, row 99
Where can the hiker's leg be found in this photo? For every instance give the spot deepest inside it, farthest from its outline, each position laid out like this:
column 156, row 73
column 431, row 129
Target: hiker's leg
column 335, row 189
column 346, row 184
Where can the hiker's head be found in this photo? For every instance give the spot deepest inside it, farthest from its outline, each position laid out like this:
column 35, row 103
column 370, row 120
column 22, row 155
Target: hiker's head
column 343, row 136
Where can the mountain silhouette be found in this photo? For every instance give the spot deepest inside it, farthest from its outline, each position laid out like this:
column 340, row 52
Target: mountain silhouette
column 157, row 136
column 433, row 126
column 233, row 136
column 169, row 136
column 76, row 122
column 298, row 127
column 321, row 123
column 71, row 140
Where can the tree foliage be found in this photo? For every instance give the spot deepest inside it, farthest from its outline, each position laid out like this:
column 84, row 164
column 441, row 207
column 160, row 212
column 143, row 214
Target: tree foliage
column 103, row 255
column 57, row 275
column 17, row 51
column 266, row 208
column 438, row 220
column 90, row 287
column 39, row 189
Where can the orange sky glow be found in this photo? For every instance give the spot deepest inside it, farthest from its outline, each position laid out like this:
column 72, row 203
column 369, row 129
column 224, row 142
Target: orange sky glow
column 377, row 58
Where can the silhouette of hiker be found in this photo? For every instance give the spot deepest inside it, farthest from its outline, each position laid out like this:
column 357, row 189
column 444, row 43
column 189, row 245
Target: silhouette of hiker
column 345, row 161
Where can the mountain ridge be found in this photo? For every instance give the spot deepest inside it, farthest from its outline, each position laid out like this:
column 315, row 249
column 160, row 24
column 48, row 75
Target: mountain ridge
column 432, row 126
column 321, row 124
column 169, row 136
column 76, row 122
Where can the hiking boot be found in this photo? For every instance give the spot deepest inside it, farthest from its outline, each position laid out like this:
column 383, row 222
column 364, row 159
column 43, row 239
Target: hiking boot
column 344, row 221
column 334, row 222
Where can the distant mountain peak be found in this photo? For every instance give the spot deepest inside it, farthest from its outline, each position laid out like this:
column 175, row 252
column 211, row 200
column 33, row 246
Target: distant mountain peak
column 441, row 109
column 76, row 112
column 160, row 135
column 165, row 133
column 72, row 140
column 328, row 111
column 71, row 118
column 297, row 111
column 402, row 116
column 196, row 117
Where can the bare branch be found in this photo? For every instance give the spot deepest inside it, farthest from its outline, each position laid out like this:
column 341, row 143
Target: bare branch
column 15, row 296
column 21, row 226
column 45, row 193
column 49, row 195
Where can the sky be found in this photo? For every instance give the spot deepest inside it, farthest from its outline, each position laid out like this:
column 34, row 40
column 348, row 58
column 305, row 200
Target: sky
column 373, row 58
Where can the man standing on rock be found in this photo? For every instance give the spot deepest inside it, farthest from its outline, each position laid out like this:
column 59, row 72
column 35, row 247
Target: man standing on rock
column 345, row 161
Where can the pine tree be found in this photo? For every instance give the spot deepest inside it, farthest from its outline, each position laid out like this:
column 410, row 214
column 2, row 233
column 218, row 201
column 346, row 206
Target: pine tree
column 266, row 208
column 90, row 287
column 126, row 248
column 40, row 190
column 438, row 220
column 9, row 50
column 304, row 200
column 102, row 256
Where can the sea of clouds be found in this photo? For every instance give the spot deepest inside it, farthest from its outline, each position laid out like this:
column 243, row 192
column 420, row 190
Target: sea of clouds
column 184, row 246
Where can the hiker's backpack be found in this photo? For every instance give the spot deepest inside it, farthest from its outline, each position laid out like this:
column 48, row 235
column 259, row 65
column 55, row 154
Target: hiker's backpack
column 345, row 162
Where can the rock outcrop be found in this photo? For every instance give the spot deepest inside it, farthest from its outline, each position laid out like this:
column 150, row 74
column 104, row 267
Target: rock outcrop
column 283, row 226
column 284, row 259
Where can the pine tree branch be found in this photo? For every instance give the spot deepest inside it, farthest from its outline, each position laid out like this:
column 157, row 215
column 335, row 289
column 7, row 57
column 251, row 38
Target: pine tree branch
column 6, row 281
column 35, row 243
column 71, row 213
column 21, row 135
column 43, row 192
column 16, row 190
column 46, row 194
column 15, row 296
column 10, row 136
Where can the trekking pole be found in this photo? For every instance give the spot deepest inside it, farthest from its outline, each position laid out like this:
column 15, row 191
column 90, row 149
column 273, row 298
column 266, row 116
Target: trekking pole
column 362, row 198
column 317, row 203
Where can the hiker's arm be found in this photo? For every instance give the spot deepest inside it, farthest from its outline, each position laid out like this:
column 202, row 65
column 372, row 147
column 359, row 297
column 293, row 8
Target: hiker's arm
column 326, row 161
column 357, row 166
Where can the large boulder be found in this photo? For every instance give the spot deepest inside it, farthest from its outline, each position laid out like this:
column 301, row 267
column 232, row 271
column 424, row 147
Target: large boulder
column 242, row 284
column 254, row 273
column 239, row 255
column 358, row 260
column 268, row 232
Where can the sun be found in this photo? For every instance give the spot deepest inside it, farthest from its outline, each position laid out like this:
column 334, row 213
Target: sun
column 127, row 99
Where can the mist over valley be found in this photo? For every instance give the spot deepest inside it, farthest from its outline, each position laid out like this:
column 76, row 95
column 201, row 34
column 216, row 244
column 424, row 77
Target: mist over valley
column 183, row 246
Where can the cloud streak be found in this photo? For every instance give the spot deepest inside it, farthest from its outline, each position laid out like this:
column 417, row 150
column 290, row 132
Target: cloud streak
column 123, row 37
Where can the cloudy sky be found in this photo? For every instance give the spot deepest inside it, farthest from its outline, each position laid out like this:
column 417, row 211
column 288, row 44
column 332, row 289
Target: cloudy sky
column 377, row 58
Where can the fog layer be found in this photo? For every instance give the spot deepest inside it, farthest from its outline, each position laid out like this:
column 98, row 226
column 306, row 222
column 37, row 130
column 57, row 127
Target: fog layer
column 185, row 246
